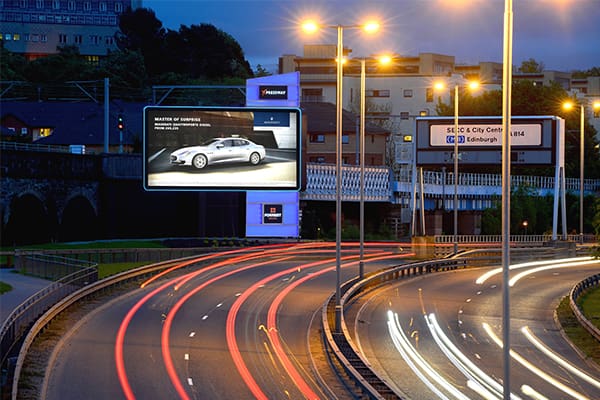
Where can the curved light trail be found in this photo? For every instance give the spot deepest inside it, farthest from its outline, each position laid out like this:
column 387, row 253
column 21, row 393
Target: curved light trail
column 270, row 250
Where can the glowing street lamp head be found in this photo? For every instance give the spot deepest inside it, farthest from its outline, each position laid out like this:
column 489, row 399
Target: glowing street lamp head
column 385, row 59
column 439, row 85
column 310, row 26
column 568, row 105
column 473, row 85
column 371, row 27
column 596, row 105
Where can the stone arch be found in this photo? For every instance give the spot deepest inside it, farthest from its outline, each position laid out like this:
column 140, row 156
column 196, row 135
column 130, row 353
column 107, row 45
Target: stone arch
column 78, row 220
column 29, row 220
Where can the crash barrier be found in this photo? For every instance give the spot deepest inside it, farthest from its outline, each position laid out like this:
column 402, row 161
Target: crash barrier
column 341, row 348
column 79, row 294
column 579, row 289
column 69, row 275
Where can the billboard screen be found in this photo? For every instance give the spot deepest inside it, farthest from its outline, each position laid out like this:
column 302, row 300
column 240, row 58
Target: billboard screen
column 222, row 148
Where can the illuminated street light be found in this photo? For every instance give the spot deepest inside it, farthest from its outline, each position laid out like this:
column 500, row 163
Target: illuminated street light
column 569, row 105
column 311, row 27
column 506, row 122
column 440, row 86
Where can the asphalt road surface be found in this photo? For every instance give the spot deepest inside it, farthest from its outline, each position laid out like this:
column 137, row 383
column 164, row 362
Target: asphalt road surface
column 226, row 328
column 469, row 315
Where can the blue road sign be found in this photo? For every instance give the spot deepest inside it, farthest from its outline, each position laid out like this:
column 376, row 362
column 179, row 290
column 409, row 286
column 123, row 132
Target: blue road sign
column 450, row 139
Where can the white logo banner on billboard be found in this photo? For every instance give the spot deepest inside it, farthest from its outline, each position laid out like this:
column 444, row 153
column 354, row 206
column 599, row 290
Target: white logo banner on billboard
column 485, row 135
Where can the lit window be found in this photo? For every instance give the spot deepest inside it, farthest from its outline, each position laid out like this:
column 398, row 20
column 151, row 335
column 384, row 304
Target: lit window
column 16, row 36
column 345, row 139
column 1, row 37
column 23, row 131
column 44, row 132
column 317, row 138
column 429, row 95
column 7, row 37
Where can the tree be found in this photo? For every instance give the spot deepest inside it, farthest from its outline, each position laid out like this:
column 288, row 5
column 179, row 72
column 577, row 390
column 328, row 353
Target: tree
column 12, row 66
column 531, row 66
column 66, row 65
column 141, row 31
column 197, row 52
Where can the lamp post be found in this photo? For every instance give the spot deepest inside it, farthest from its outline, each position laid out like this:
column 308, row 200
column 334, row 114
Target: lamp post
column 506, row 120
column 311, row 26
column 471, row 85
column 363, row 81
column 568, row 106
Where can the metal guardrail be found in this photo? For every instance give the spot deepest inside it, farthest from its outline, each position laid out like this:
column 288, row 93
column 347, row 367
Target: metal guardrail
column 75, row 274
column 588, row 283
column 76, row 296
column 341, row 345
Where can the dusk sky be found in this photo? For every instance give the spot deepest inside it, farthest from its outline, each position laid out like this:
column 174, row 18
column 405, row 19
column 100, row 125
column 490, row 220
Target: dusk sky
column 562, row 34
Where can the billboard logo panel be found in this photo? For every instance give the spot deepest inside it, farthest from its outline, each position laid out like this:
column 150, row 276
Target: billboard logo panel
column 272, row 213
column 222, row 148
column 275, row 92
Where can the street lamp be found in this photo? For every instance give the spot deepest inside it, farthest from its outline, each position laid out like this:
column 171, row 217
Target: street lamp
column 569, row 105
column 471, row 85
column 311, row 27
column 506, row 123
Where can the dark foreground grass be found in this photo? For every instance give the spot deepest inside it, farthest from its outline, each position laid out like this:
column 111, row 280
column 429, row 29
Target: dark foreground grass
column 577, row 334
column 4, row 287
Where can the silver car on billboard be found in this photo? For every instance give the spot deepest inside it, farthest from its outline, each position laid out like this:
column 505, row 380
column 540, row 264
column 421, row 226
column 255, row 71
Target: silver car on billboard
column 218, row 151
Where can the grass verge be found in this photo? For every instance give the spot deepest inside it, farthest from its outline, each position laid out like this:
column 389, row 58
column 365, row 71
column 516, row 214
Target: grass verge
column 105, row 270
column 580, row 338
column 4, row 287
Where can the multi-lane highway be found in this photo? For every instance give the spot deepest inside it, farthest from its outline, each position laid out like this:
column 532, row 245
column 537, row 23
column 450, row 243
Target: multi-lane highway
column 439, row 336
column 234, row 326
column 242, row 325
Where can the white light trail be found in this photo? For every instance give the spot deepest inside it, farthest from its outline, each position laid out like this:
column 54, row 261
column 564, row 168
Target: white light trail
column 413, row 358
column 523, row 274
column 559, row 360
column 496, row 271
column 534, row 369
column 489, row 386
column 531, row 392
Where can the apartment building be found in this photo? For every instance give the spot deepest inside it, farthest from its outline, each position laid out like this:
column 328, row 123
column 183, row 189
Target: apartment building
column 404, row 89
column 35, row 28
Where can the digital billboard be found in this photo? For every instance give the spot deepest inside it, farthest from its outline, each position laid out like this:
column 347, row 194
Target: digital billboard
column 222, row 148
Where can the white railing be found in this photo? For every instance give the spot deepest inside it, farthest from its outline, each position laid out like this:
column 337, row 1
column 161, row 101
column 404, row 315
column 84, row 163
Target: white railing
column 380, row 183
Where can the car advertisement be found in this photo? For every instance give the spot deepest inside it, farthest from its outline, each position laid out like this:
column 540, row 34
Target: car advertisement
column 221, row 148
